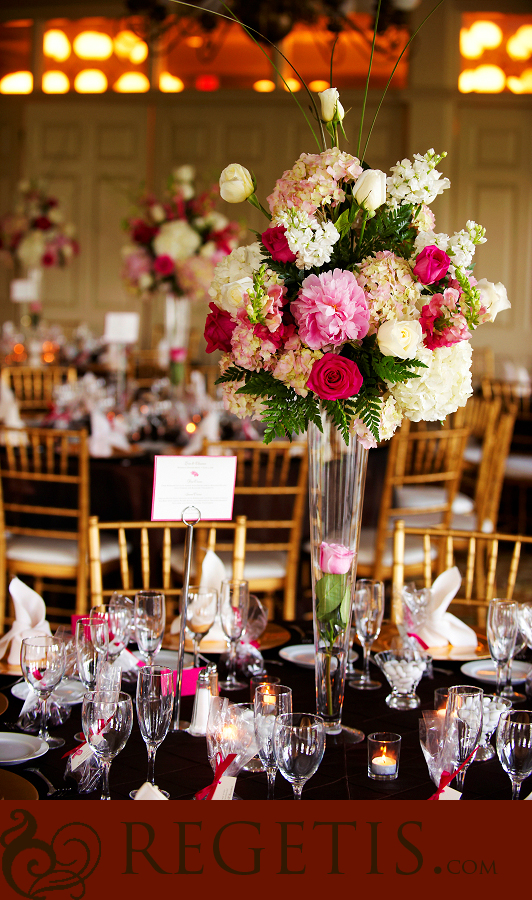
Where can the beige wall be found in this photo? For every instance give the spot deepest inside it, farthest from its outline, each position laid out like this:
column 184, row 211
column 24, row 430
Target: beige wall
column 96, row 152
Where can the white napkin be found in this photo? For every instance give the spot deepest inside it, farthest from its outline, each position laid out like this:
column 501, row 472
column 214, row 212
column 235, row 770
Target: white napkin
column 106, row 436
column 10, row 414
column 212, row 574
column 149, row 791
column 30, row 619
column 440, row 627
column 208, row 429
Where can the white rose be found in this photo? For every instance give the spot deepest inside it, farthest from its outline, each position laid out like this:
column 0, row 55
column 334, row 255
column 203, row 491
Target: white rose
column 236, row 184
column 231, row 296
column 331, row 108
column 177, row 240
column 184, row 173
column 145, row 281
column 370, row 189
column 157, row 213
column 186, row 191
column 493, row 297
column 400, row 339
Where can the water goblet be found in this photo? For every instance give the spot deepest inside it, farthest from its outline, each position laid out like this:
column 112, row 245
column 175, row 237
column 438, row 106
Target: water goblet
column 155, row 703
column 270, row 701
column 234, row 604
column 42, row 660
column 368, row 612
column 202, row 607
column 514, row 746
column 508, row 689
column 299, row 745
column 492, row 707
column 501, row 631
column 150, row 620
column 92, row 646
column 107, row 718
column 118, row 614
column 463, row 724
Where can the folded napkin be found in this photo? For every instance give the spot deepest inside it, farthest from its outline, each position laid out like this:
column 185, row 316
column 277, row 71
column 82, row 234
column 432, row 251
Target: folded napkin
column 208, row 429
column 30, row 619
column 106, row 436
column 212, row 574
column 441, row 628
column 149, row 791
column 10, row 415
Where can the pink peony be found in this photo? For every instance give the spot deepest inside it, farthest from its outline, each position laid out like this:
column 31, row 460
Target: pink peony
column 431, row 264
column 164, row 265
column 335, row 377
column 335, row 559
column 219, row 327
column 331, row 308
column 274, row 239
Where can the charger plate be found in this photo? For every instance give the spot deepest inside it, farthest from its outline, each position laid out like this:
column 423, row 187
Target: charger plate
column 13, row 787
column 450, row 653
column 273, row 636
column 4, row 703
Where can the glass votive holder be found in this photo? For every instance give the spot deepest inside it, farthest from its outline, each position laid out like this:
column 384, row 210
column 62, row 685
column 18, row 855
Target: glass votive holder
column 384, row 748
column 440, row 698
column 260, row 679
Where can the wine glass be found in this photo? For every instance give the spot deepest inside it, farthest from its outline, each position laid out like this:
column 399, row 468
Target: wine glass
column 118, row 614
column 463, row 724
column 501, row 630
column 92, row 644
column 107, row 718
column 299, row 745
column 493, row 706
column 431, row 739
column 508, row 689
column 150, row 620
column 42, row 660
column 270, row 701
column 368, row 612
column 155, row 703
column 202, row 607
column 234, row 604
column 514, row 746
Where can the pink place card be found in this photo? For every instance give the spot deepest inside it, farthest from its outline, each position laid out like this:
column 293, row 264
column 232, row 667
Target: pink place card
column 189, row 678
column 204, row 482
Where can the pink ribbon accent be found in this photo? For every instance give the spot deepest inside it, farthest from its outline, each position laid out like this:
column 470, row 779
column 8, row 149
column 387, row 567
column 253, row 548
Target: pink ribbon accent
column 446, row 777
column 207, row 793
column 418, row 639
column 80, row 747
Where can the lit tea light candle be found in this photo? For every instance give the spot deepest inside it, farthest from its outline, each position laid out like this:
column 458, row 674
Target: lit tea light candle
column 269, row 699
column 383, row 765
column 384, row 748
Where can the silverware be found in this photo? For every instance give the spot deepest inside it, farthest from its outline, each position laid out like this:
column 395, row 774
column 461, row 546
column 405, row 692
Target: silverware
column 53, row 792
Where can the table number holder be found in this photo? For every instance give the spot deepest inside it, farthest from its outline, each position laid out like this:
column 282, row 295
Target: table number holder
column 189, row 537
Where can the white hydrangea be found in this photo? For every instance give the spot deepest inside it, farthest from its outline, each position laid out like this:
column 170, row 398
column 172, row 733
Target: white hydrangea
column 441, row 388
column 177, row 240
column 240, row 263
column 310, row 240
column 416, row 182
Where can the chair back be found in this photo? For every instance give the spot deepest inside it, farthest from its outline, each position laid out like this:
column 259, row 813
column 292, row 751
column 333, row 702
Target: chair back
column 33, row 387
column 271, row 490
column 516, row 394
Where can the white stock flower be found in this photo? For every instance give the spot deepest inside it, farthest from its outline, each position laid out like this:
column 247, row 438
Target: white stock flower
column 236, row 184
column 311, row 241
column 417, row 182
column 493, row 297
column 441, row 388
column 177, row 240
column 400, row 338
column 331, row 108
column 369, row 190
column 391, row 418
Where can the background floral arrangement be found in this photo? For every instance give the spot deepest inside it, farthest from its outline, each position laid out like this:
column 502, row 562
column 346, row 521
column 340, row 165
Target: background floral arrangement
column 35, row 233
column 175, row 244
column 350, row 299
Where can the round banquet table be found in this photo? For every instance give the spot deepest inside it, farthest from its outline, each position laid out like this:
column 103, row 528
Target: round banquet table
column 182, row 767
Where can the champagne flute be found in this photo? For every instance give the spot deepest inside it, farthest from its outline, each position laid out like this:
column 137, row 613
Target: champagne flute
column 202, row 607
column 118, row 614
column 234, row 605
column 299, row 745
column 42, row 660
column 508, row 689
column 155, row 703
column 270, row 701
column 514, row 746
column 501, row 630
column 463, row 724
column 368, row 612
column 150, row 620
column 107, row 718
column 92, row 644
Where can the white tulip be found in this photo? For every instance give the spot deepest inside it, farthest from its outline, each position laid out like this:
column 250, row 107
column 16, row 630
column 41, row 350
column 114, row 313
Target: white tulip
column 331, row 108
column 370, row 189
column 236, row 184
column 400, row 339
column 184, row 173
column 157, row 212
column 493, row 297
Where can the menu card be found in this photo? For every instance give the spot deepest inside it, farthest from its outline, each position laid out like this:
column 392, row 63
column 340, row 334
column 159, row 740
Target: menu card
column 204, row 482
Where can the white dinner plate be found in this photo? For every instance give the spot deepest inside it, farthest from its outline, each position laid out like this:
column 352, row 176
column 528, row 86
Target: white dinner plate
column 303, row 655
column 68, row 693
column 169, row 658
column 20, row 748
column 484, row 670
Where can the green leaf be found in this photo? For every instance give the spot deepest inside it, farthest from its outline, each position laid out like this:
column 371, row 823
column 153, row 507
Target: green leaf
column 330, row 593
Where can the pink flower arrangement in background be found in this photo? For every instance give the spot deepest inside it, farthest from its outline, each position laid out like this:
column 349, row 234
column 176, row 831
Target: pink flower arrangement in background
column 35, row 234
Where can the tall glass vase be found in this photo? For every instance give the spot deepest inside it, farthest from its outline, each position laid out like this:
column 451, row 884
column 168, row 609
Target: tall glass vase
column 337, row 476
column 177, row 334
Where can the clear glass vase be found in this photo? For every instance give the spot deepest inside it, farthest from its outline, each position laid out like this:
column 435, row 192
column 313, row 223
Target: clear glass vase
column 177, row 334
column 337, row 476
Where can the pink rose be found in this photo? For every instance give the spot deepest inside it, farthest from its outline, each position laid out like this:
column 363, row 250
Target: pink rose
column 334, row 377
column 335, row 559
column 219, row 327
column 431, row 264
column 164, row 265
column 331, row 308
column 274, row 239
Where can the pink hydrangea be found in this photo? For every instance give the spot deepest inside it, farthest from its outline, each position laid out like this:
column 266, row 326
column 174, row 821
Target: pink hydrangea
column 331, row 308
column 294, row 365
column 314, row 179
column 442, row 322
column 391, row 290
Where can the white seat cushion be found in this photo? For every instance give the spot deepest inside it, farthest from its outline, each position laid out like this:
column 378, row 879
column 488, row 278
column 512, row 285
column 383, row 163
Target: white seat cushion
column 473, row 453
column 421, row 497
column 413, row 549
column 56, row 551
column 270, row 564
column 519, row 465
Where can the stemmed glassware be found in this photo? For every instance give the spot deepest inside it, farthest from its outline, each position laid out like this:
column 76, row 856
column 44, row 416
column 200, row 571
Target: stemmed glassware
column 501, row 631
column 92, row 646
column 234, row 605
column 150, row 621
column 271, row 700
column 107, row 718
column 368, row 612
column 493, row 707
column 42, row 660
column 508, row 689
column 514, row 746
column 118, row 614
column 299, row 745
column 155, row 703
column 463, row 724
column 202, row 607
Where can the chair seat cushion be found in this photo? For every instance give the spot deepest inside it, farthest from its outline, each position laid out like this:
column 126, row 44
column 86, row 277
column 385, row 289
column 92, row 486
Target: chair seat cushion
column 56, row 551
column 519, row 465
column 270, row 564
column 421, row 497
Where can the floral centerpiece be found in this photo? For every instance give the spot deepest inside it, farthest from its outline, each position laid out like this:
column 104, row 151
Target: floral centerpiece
column 35, row 235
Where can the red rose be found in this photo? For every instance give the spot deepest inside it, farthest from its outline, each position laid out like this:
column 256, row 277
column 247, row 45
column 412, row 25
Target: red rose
column 42, row 222
column 274, row 239
column 48, row 259
column 164, row 265
column 143, row 233
column 431, row 264
column 335, row 377
column 219, row 327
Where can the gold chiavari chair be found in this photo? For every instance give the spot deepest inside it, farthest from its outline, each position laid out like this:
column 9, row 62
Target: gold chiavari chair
column 33, row 387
